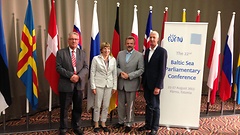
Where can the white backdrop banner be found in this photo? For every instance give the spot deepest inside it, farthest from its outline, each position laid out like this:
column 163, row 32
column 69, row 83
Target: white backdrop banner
column 181, row 97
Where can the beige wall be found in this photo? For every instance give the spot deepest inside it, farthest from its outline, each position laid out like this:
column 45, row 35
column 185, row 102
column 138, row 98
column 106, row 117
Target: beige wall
column 14, row 14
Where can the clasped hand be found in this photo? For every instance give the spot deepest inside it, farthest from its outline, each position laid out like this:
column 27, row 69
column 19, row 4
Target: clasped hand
column 74, row 78
column 124, row 75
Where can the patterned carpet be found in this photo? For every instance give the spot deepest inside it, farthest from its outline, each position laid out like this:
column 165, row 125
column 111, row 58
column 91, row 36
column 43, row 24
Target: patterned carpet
column 209, row 124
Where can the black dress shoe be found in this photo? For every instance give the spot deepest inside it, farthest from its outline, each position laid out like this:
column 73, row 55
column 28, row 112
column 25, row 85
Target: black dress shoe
column 153, row 132
column 62, row 132
column 128, row 129
column 96, row 129
column 143, row 128
column 118, row 125
column 78, row 131
column 105, row 129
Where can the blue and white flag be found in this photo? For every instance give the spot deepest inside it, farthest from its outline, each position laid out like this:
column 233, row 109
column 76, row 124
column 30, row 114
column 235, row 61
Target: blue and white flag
column 95, row 37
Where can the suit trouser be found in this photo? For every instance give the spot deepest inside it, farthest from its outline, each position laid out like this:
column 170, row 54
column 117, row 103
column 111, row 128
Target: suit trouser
column 65, row 99
column 152, row 113
column 126, row 113
column 103, row 95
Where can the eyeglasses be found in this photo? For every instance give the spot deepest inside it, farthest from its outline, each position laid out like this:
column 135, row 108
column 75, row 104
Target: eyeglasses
column 73, row 39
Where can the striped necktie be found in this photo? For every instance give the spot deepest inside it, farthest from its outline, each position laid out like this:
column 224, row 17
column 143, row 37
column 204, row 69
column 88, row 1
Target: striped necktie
column 74, row 62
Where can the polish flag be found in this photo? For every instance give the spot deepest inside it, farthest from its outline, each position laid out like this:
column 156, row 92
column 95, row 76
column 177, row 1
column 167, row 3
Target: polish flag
column 135, row 28
column 214, row 62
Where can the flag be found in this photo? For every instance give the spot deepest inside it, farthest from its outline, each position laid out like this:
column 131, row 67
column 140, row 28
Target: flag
column 115, row 49
column 135, row 27
column 77, row 26
column 146, row 43
column 214, row 61
column 227, row 64
column 116, row 35
column 5, row 93
column 165, row 17
column 198, row 16
column 184, row 18
column 27, row 59
column 94, row 50
column 95, row 37
column 237, row 80
column 50, row 71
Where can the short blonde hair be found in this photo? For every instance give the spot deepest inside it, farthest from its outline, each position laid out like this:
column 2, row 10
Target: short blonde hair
column 103, row 45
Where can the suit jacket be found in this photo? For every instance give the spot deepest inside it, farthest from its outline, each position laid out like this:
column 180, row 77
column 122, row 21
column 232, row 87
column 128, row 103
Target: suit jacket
column 134, row 67
column 155, row 69
column 65, row 69
column 100, row 75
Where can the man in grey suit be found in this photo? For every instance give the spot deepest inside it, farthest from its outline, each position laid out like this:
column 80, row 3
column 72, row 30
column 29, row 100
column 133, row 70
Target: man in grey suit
column 71, row 64
column 130, row 67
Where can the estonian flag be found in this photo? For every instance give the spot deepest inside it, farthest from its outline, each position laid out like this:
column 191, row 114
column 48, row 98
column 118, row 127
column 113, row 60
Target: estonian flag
column 5, row 93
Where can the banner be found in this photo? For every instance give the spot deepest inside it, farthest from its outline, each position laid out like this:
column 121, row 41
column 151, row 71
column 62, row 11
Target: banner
column 181, row 97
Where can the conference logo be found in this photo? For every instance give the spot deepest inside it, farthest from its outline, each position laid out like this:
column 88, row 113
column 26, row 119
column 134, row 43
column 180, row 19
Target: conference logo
column 194, row 38
column 174, row 38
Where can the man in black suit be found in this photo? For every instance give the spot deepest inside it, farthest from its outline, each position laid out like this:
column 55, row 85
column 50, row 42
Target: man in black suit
column 155, row 61
column 71, row 64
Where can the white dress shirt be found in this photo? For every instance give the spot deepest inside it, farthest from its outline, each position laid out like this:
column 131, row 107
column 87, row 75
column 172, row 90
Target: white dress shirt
column 151, row 52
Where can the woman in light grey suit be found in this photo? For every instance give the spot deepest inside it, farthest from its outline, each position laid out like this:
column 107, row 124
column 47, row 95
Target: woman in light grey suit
column 103, row 79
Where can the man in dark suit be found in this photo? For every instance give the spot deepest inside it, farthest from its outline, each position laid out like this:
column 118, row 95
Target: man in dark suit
column 71, row 64
column 155, row 61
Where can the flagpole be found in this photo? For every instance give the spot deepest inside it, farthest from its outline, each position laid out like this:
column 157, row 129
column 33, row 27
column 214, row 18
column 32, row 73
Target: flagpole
column 227, row 65
column 222, row 104
column 4, row 120
column 213, row 63
column 231, row 33
column 134, row 32
column 198, row 11
column 50, row 108
column 165, row 16
column 111, row 112
column 235, row 102
column 184, row 15
column 95, row 44
column 198, row 16
column 208, row 101
column 27, row 112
